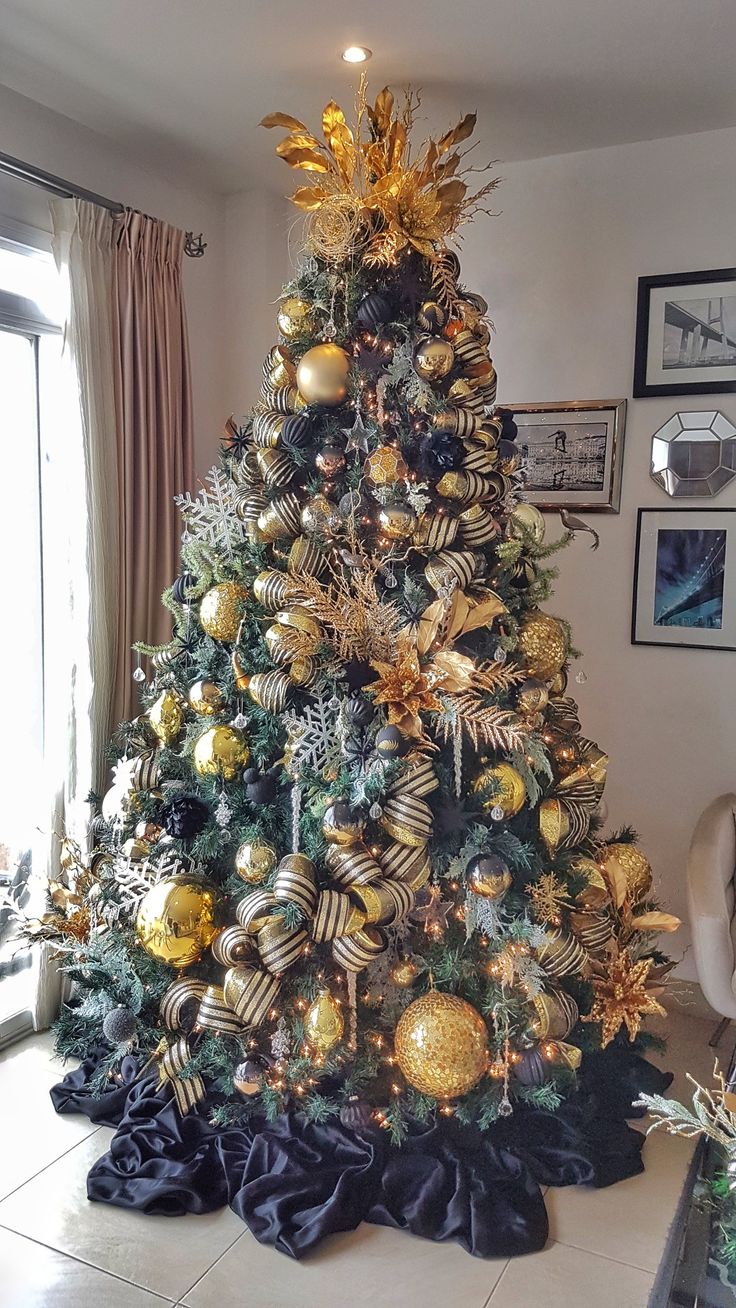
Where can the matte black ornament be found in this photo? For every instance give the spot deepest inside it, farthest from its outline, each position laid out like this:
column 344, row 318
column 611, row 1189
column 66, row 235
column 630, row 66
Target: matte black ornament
column 509, row 429
column 374, row 309
column 531, row 1068
column 183, row 587
column 356, row 1114
column 119, row 1025
column 439, row 452
column 358, row 711
column 391, row 743
column 184, row 816
column 296, row 430
column 260, row 787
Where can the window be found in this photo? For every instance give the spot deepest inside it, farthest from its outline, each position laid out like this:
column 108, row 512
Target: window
column 30, row 344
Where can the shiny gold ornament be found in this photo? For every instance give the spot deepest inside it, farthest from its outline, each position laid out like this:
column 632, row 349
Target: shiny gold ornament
column 176, row 920
column 206, row 698
column 324, row 1023
column 254, row 860
column 385, row 466
column 543, row 644
column 166, row 716
column 488, row 876
column 441, row 1045
column 340, row 825
column 322, row 375
column 433, row 358
column 330, row 461
column 335, row 231
column 221, row 752
column 222, row 609
column 404, row 972
column 532, row 698
column 319, row 516
column 294, row 317
column 636, row 868
column 397, row 521
column 509, row 791
column 526, row 520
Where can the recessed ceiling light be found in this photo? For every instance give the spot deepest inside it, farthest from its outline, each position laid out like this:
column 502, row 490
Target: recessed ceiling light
column 356, row 54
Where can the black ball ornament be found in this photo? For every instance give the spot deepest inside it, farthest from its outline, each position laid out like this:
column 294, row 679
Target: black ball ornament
column 184, row 816
column 356, row 1114
column 296, row 430
column 509, row 429
column 391, row 743
column 439, row 452
column 183, row 587
column 374, row 309
column 260, row 787
column 531, row 1068
column 119, row 1025
column 358, row 711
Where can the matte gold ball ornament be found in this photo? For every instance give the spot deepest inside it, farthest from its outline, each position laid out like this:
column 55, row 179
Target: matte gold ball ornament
column 441, row 1045
column 294, row 317
column 525, row 519
column 324, row 1023
column 206, row 698
column 176, row 920
column 506, row 786
column 254, row 861
column 543, row 644
column 166, row 716
column 433, row 358
column 322, row 375
column 222, row 609
column 221, row 752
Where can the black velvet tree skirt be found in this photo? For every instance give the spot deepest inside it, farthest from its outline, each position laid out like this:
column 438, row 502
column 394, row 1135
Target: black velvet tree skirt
column 293, row 1181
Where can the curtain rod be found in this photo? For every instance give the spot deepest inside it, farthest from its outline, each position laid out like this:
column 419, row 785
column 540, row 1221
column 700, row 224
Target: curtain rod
column 194, row 246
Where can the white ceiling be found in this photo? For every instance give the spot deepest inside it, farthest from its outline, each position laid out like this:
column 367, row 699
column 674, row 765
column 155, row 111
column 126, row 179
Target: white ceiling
column 183, row 83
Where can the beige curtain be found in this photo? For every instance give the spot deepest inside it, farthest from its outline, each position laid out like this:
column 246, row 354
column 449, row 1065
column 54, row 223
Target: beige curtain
column 155, row 458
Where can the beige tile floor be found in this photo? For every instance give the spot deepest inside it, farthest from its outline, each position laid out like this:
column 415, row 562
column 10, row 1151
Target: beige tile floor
column 59, row 1251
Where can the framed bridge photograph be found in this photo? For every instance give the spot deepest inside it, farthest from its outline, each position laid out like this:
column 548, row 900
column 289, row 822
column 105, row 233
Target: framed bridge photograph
column 685, row 578
column 572, row 452
column 686, row 334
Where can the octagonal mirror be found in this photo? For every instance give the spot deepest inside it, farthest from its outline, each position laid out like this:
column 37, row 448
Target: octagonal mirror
column 694, row 453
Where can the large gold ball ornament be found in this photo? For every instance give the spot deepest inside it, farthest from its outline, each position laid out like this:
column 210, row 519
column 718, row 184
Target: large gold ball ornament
column 543, row 643
column 433, row 358
column 508, row 793
column 176, row 920
column 324, row 1023
column 384, row 466
column 254, row 861
column 441, row 1045
column 293, row 317
column 526, row 520
column 322, row 375
column 206, row 698
column 222, row 609
column 636, row 867
column 221, row 752
column 397, row 521
column 166, row 716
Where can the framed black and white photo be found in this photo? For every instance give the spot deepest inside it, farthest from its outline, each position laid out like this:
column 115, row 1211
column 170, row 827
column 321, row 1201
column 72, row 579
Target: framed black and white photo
column 572, row 453
column 685, row 578
column 686, row 334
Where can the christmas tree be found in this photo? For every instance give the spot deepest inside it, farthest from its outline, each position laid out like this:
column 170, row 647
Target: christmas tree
column 351, row 862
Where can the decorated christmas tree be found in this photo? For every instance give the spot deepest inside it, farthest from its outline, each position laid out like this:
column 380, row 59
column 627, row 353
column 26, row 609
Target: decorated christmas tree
column 350, row 874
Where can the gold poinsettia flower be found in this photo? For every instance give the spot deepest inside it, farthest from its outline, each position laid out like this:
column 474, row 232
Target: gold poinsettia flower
column 622, row 996
column 406, row 688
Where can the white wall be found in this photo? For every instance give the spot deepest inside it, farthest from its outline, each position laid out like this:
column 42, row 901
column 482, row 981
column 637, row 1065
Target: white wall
column 55, row 143
column 559, row 269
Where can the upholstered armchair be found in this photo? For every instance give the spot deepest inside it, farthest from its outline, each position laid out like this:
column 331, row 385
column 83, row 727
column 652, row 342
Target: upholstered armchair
column 711, row 870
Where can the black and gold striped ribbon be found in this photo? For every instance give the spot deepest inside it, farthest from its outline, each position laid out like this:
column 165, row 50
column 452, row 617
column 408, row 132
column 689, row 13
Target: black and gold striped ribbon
column 188, row 1091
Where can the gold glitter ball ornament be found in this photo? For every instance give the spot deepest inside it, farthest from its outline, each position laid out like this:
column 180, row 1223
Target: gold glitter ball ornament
column 636, row 868
column 254, row 861
column 166, row 716
column 525, row 519
column 543, row 644
column 176, row 920
column 293, row 317
column 384, row 466
column 441, row 1045
column 206, row 698
column 433, row 358
column 324, row 1023
column 221, row 752
column 507, row 788
column 322, row 375
column 222, row 609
